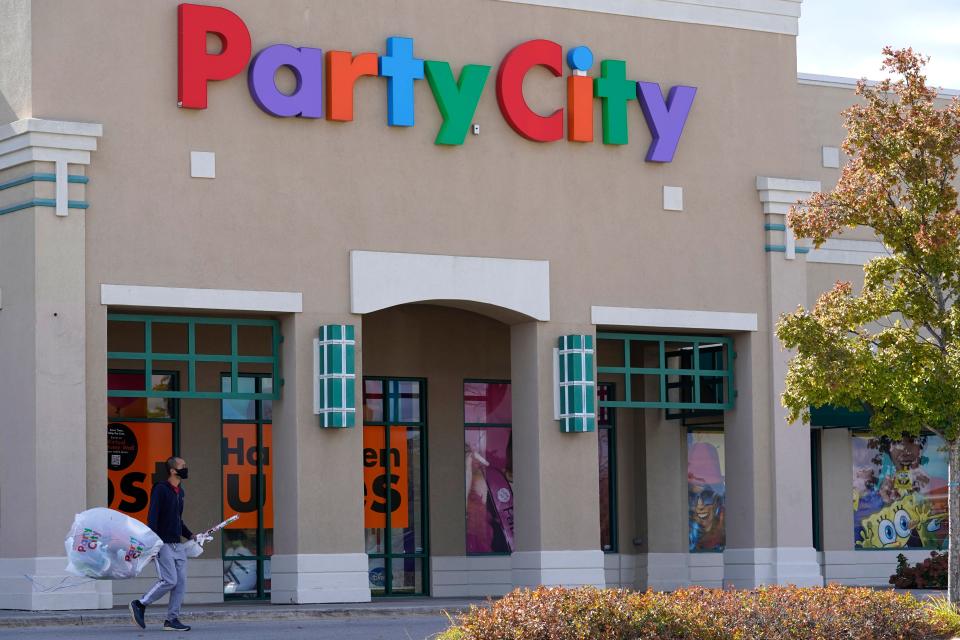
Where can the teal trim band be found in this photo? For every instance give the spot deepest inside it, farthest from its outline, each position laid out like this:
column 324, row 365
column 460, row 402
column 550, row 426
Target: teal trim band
column 770, row 226
column 42, row 177
column 44, row 202
column 769, row 248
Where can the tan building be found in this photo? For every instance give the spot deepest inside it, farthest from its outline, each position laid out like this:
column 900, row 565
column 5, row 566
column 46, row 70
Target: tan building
column 420, row 344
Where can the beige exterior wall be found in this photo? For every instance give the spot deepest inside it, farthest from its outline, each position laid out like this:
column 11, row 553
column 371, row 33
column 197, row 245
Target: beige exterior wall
column 16, row 55
column 515, row 188
column 293, row 197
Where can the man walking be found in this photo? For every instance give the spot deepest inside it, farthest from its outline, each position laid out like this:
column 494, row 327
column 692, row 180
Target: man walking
column 166, row 519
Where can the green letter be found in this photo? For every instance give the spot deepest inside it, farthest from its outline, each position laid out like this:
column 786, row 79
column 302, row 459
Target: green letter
column 616, row 91
column 457, row 102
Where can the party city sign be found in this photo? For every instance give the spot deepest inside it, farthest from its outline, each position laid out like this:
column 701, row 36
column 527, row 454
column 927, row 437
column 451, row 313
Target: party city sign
column 324, row 85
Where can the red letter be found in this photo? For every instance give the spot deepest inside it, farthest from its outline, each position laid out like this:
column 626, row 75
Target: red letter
column 510, row 90
column 195, row 66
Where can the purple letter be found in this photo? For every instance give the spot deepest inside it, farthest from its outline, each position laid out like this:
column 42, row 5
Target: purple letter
column 307, row 66
column 665, row 121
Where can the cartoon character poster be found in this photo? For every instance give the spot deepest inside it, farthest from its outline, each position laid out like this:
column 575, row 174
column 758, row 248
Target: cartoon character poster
column 706, row 490
column 899, row 493
column 489, row 489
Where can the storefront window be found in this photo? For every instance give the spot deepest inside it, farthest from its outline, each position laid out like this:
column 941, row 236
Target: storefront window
column 121, row 408
column 247, row 476
column 706, row 491
column 140, row 437
column 394, row 473
column 606, row 444
column 899, row 493
column 488, row 454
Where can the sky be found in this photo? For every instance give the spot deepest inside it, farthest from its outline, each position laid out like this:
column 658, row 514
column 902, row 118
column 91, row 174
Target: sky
column 845, row 37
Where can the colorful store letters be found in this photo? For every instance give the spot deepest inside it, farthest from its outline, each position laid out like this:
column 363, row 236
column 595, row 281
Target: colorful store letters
column 325, row 85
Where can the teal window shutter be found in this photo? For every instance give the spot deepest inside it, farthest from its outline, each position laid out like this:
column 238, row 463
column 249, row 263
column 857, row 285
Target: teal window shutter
column 575, row 393
column 334, row 376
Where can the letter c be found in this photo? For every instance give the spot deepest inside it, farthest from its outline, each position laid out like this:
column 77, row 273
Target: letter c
column 513, row 70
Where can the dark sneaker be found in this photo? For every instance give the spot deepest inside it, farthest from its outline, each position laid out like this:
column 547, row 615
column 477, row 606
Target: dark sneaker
column 174, row 625
column 137, row 610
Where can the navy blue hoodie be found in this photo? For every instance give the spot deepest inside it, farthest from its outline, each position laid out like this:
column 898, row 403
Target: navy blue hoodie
column 166, row 513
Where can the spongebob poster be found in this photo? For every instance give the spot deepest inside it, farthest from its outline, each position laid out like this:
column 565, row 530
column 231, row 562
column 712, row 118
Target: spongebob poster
column 899, row 493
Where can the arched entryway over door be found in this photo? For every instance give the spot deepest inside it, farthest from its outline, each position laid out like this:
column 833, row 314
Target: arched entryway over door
column 436, row 392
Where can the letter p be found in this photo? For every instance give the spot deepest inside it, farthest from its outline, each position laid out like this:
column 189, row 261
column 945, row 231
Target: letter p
column 194, row 65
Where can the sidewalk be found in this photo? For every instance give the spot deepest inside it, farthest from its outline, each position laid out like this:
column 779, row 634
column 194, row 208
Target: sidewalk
column 265, row 611
column 244, row 611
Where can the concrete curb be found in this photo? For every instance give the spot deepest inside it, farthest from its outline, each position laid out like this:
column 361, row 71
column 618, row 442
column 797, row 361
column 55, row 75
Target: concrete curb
column 278, row 612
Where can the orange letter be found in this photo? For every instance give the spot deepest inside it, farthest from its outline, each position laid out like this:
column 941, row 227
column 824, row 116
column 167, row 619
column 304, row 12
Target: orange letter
column 342, row 72
column 580, row 109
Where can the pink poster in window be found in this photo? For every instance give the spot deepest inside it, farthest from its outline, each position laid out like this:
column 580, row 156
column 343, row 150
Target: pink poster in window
column 489, row 489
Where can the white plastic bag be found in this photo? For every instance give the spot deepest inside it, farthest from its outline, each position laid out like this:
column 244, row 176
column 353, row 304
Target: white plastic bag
column 104, row 544
column 192, row 549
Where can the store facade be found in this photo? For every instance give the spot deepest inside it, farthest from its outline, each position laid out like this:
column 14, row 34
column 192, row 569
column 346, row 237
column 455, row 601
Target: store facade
column 442, row 297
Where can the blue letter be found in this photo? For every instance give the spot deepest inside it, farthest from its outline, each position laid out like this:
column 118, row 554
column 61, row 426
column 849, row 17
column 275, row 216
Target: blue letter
column 401, row 69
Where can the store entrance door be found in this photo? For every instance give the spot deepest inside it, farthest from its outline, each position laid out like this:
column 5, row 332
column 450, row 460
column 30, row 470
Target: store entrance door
column 395, row 485
column 246, row 453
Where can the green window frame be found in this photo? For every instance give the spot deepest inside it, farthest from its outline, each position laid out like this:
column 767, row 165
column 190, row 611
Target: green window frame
column 261, row 557
column 391, row 412
column 173, row 419
column 607, row 422
column 148, row 356
column 696, row 371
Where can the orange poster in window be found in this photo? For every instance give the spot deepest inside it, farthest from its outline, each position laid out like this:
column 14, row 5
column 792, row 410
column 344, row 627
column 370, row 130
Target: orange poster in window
column 136, row 455
column 239, row 460
column 376, row 485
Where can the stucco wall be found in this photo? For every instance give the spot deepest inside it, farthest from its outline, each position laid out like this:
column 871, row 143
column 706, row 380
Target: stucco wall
column 16, row 54
column 293, row 196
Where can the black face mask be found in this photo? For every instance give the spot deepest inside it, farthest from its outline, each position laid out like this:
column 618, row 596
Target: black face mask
column 182, row 473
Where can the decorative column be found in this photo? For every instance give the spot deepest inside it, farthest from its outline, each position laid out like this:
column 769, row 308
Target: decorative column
column 318, row 533
column 44, row 456
column 556, row 476
column 773, row 541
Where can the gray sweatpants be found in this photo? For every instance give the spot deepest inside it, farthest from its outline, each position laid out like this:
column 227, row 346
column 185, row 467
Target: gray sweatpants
column 172, row 574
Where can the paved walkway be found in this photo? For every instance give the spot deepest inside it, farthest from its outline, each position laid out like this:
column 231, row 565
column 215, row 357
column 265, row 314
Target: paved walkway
column 264, row 611
column 239, row 611
column 375, row 628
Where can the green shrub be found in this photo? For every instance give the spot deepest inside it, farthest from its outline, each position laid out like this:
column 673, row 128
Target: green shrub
column 769, row 613
column 929, row 574
column 943, row 612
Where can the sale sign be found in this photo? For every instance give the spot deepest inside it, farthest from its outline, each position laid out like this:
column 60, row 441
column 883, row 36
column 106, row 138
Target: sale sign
column 240, row 475
column 136, row 455
column 385, row 473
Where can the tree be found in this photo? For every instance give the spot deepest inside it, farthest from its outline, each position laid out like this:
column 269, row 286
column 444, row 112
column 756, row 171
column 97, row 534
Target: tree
column 894, row 347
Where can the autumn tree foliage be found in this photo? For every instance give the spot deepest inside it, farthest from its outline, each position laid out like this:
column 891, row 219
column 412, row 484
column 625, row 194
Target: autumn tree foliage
column 894, row 346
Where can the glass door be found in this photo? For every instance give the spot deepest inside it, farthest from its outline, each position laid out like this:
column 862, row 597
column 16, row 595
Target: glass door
column 246, row 454
column 394, row 485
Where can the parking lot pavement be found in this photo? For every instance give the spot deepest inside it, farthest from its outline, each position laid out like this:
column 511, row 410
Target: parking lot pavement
column 406, row 627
